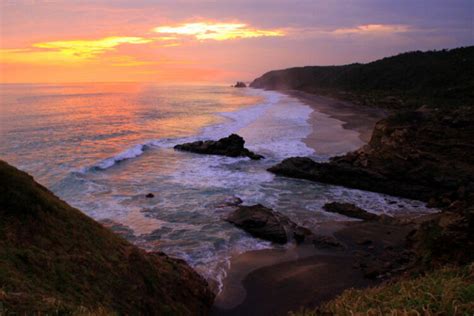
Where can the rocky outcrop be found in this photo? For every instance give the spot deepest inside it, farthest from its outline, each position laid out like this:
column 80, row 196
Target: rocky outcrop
column 56, row 260
column 350, row 210
column 231, row 146
column 423, row 154
column 446, row 237
column 264, row 223
column 240, row 84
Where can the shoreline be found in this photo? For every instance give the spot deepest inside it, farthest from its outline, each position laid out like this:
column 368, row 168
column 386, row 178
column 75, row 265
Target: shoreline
column 276, row 281
column 337, row 127
column 357, row 118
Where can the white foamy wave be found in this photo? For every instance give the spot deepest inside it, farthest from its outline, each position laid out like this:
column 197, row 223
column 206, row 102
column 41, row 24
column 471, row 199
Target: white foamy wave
column 133, row 152
column 236, row 121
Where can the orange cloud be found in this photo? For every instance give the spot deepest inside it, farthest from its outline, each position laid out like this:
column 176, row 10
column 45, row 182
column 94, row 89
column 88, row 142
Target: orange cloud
column 216, row 31
column 126, row 58
column 69, row 51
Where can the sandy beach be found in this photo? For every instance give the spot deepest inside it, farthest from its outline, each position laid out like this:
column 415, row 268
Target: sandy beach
column 324, row 138
column 275, row 281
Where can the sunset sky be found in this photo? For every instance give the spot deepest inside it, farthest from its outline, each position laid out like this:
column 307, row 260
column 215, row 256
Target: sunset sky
column 214, row 41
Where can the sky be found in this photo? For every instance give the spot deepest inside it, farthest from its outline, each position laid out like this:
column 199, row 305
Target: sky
column 218, row 41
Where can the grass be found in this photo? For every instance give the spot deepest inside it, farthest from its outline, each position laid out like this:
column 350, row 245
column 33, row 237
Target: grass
column 447, row 291
column 56, row 260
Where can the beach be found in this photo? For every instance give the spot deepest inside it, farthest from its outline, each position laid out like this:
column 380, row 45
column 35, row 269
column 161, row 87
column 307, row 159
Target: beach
column 275, row 281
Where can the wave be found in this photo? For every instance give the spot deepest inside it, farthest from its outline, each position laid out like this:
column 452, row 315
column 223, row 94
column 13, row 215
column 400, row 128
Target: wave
column 235, row 121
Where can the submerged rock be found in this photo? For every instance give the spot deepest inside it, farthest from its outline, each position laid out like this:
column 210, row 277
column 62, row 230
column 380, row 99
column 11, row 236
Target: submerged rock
column 150, row 195
column 231, row 146
column 350, row 210
column 264, row 223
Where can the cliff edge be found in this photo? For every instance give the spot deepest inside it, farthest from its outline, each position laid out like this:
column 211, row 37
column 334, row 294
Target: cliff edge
column 55, row 259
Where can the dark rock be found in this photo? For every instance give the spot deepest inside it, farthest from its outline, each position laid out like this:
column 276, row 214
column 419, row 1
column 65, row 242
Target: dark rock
column 446, row 237
column 231, row 146
column 364, row 242
column 240, row 84
column 349, row 210
column 326, row 242
column 372, row 272
column 300, row 233
column 411, row 154
column 150, row 195
column 264, row 223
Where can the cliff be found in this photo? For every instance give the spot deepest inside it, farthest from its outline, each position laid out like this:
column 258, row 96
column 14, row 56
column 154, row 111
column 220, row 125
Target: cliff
column 55, row 259
column 423, row 151
column 406, row 81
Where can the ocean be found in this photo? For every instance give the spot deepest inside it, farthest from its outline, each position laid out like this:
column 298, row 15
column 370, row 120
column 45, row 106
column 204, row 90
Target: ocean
column 103, row 147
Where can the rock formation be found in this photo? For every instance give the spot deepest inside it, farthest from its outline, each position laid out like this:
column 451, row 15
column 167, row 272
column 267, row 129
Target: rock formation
column 264, row 223
column 350, row 210
column 240, row 84
column 231, row 146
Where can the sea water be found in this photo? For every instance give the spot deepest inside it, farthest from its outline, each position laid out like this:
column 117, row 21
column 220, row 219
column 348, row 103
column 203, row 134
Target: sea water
column 103, row 147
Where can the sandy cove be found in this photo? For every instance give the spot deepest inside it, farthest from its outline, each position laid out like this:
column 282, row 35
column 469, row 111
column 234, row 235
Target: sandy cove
column 275, row 281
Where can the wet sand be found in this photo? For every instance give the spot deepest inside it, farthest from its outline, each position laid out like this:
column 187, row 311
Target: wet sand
column 358, row 119
column 274, row 282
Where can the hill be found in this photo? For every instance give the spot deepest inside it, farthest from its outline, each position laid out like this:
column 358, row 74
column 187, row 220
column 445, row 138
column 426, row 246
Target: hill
column 55, row 260
column 406, row 80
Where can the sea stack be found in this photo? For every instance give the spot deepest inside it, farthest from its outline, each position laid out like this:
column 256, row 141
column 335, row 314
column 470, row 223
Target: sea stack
column 240, row 84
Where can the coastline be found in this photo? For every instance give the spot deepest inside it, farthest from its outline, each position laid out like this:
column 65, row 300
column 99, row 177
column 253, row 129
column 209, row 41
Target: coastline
column 276, row 281
column 281, row 280
column 357, row 118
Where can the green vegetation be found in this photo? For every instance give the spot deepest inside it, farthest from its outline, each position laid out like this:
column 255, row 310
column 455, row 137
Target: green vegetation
column 56, row 260
column 403, row 81
column 448, row 291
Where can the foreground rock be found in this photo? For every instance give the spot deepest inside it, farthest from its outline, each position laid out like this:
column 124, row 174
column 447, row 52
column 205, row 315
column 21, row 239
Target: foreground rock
column 350, row 210
column 264, row 223
column 424, row 154
column 56, row 260
column 232, row 146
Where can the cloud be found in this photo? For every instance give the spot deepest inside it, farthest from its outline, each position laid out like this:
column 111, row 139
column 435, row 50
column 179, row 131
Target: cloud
column 90, row 48
column 216, row 31
column 68, row 51
column 372, row 29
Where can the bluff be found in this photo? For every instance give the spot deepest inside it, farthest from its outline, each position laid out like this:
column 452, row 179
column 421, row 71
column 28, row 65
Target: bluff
column 54, row 259
column 407, row 80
